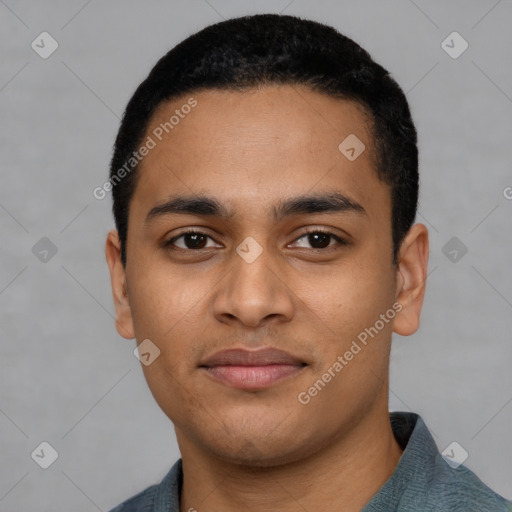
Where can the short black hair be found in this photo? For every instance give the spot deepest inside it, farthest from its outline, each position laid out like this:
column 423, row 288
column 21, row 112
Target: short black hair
column 265, row 49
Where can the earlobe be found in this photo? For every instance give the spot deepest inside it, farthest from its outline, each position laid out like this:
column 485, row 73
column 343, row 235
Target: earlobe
column 411, row 279
column 124, row 321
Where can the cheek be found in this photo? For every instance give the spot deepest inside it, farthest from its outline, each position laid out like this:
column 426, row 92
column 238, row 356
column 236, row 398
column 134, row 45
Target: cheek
column 347, row 301
column 169, row 309
column 162, row 302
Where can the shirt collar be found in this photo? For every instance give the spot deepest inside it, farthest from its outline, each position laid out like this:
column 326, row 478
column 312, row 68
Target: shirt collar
column 419, row 455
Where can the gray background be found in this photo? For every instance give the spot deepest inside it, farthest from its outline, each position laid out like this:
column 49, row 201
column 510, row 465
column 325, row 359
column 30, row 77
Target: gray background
column 69, row 379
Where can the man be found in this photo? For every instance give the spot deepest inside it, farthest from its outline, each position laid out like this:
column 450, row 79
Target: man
column 265, row 186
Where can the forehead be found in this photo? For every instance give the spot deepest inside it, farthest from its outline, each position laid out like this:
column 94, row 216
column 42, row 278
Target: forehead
column 259, row 143
column 260, row 116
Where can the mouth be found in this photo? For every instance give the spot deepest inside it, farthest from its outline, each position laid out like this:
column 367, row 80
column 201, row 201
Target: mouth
column 252, row 370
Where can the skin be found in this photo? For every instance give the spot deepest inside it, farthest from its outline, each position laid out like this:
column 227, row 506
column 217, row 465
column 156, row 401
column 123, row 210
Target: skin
column 263, row 450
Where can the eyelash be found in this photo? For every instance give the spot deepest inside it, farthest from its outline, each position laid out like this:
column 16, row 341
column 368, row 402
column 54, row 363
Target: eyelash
column 169, row 243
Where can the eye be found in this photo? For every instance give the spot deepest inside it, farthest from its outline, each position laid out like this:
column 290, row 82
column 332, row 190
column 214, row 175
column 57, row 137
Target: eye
column 197, row 240
column 191, row 240
column 319, row 239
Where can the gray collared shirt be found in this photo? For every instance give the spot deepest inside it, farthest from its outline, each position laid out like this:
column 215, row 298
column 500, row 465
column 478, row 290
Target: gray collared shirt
column 422, row 481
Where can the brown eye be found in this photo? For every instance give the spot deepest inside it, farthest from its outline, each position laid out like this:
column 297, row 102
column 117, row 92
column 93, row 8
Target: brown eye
column 319, row 240
column 191, row 240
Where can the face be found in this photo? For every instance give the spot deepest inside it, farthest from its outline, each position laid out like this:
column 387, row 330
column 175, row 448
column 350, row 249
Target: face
column 249, row 229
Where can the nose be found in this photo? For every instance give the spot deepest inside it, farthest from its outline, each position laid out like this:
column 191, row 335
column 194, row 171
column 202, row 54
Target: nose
column 254, row 290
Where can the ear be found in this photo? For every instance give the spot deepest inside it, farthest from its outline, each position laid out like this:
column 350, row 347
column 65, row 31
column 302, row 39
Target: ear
column 124, row 321
column 411, row 279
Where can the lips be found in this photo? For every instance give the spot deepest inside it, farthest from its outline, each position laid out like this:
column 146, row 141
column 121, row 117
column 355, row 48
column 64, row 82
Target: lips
column 261, row 357
column 251, row 369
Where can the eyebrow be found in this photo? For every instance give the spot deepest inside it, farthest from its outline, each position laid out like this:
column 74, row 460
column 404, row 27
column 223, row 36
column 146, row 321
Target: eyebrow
column 211, row 207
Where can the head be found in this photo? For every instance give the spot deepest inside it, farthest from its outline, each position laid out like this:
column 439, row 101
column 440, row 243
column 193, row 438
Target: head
column 291, row 155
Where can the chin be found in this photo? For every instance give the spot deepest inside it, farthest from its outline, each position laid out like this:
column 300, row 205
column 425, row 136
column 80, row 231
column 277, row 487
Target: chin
column 260, row 446
column 259, row 455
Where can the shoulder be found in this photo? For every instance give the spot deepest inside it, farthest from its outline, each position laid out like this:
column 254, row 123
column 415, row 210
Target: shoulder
column 460, row 490
column 426, row 480
column 144, row 501
column 162, row 497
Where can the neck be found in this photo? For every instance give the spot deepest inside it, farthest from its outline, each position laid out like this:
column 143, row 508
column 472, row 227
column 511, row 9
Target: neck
column 343, row 475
